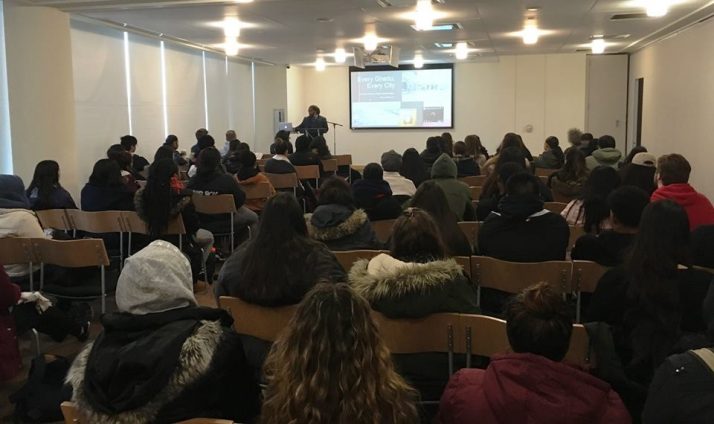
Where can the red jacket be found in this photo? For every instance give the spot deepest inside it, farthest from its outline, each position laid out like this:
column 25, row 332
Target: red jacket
column 699, row 209
column 10, row 361
column 523, row 388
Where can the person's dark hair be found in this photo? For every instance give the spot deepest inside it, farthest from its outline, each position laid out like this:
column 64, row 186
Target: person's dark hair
column 243, row 147
column 205, row 141
column 373, row 171
column 574, row 136
column 315, row 108
column 459, row 148
column 283, row 135
column 587, row 137
column 164, row 152
column 106, row 173
column 416, row 238
column 447, row 143
column 639, row 176
column 413, row 167
column 627, row 203
column 554, row 145
column 539, row 321
column 281, row 147
column 320, row 145
column 431, row 198
column 606, row 141
column 473, row 146
column 635, row 150
column 45, row 180
column 200, row 133
column 170, row 139
column 507, row 170
column 510, row 140
column 673, row 169
column 209, row 161
column 522, row 183
column 661, row 244
column 433, row 144
column 513, row 154
column 302, row 144
column 123, row 158
column 127, row 142
column 601, row 182
column 574, row 167
column 336, row 191
column 233, row 145
column 157, row 196
column 247, row 159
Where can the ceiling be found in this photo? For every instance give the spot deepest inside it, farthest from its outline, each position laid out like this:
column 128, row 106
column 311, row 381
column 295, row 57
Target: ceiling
column 291, row 31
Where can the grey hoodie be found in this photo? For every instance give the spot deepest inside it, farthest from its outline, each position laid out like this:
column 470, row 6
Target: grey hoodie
column 608, row 156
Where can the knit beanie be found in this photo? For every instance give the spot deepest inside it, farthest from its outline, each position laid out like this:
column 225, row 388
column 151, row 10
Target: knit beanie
column 12, row 193
column 391, row 161
column 155, row 279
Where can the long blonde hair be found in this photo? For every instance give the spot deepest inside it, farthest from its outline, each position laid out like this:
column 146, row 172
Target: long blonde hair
column 330, row 366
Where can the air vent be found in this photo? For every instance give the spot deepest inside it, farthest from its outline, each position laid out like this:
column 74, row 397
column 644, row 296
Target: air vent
column 440, row 27
column 403, row 3
column 626, row 16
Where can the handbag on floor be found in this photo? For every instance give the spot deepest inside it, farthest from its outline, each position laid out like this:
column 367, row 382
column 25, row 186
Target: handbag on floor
column 39, row 399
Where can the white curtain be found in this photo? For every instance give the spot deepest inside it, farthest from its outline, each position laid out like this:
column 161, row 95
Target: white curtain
column 5, row 143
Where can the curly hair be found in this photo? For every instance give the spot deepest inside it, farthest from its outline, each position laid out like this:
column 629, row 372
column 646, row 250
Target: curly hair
column 330, row 366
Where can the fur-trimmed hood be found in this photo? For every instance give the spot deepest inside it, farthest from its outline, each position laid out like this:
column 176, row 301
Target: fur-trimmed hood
column 333, row 222
column 181, row 202
column 386, row 277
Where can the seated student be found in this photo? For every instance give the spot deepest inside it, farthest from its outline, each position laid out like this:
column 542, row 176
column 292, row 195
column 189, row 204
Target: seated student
column 521, row 230
column 447, row 143
column 703, row 246
column 105, row 190
column 330, row 366
column 510, row 140
column 475, row 149
column 682, row 390
column 284, row 136
column 489, row 204
column 123, row 158
column 338, row 222
column 552, row 157
column 280, row 163
column 432, row 152
column 210, row 180
column 673, row 184
column 532, row 384
column 172, row 142
column 196, row 148
column 374, row 195
column 654, row 298
column 231, row 160
column 318, row 145
column 609, row 247
column 248, row 175
column 443, row 172
column 204, row 142
column 138, row 163
column 568, row 182
column 466, row 166
column 304, row 156
column 413, row 167
column 402, row 188
column 631, row 155
column 640, row 172
column 590, row 209
column 161, row 358
column 45, row 191
column 574, row 139
column 605, row 155
column 588, row 144
column 431, row 198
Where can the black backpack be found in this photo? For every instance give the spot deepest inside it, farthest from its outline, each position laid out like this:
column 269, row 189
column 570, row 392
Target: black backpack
column 40, row 398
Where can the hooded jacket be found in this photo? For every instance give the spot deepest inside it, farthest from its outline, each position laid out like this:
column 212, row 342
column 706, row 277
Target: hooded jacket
column 699, row 209
column 609, row 156
column 526, row 388
column 566, row 188
column 548, row 160
column 375, row 197
column 444, row 173
column 256, row 205
column 432, row 153
column 342, row 228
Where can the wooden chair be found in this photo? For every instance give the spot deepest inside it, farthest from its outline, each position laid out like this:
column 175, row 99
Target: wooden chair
column 470, row 230
column 474, row 181
column 329, row 165
column 18, row 251
column 576, row 232
column 555, row 207
column 256, row 191
column 99, row 223
column 72, row 416
column 73, row 254
column 347, row 258
column 135, row 225
column 513, row 277
column 284, row 181
column 54, row 218
column 544, row 172
column 579, row 350
column 475, row 192
column 309, row 172
column 206, row 421
column 465, row 262
column 586, row 275
column 474, row 203
column 383, row 229
column 557, row 197
column 344, row 160
column 221, row 204
column 257, row 321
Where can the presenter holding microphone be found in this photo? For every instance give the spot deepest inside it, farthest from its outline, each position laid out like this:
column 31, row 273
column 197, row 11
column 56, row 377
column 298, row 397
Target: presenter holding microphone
column 313, row 125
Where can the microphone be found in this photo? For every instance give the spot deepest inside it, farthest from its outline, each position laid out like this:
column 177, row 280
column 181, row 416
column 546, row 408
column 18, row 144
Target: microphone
column 335, row 123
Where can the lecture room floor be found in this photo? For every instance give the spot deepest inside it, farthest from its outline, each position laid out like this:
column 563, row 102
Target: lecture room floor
column 69, row 348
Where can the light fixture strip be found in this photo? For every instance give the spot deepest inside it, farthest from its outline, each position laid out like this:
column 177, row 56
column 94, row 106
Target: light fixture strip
column 163, row 89
column 205, row 87
column 127, row 77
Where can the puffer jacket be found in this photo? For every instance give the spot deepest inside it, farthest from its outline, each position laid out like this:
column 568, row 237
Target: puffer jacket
column 342, row 228
column 608, row 156
column 444, row 173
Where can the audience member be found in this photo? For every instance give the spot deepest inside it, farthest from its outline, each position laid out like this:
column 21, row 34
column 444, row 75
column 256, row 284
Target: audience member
column 204, row 142
column 475, row 149
column 164, row 152
column 303, row 156
column 635, row 150
column 284, row 136
column 402, row 188
column 249, row 175
column 330, row 366
column 106, row 190
column 552, row 157
column 373, row 194
column 138, row 163
column 640, row 172
column 509, row 140
column 280, row 163
column 590, row 209
column 196, row 149
column 230, row 137
column 574, row 137
column 609, row 247
column 413, row 167
column 673, row 184
column 431, row 198
column 447, row 143
column 488, row 204
column 466, row 166
column 172, row 142
column 45, row 191
column 703, row 246
column 588, row 144
column 605, row 155
column 123, row 158
column 161, row 357
column 318, row 145
column 231, row 158
column 532, row 384
column 522, row 230
column 568, row 182
column 337, row 222
column 433, row 151
column 443, row 173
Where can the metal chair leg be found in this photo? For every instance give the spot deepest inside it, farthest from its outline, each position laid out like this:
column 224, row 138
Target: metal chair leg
column 36, row 337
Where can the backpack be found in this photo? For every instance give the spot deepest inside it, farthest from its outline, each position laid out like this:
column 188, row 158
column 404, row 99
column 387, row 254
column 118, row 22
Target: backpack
column 39, row 399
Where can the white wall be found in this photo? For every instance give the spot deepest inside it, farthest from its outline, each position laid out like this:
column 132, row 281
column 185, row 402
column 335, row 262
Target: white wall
column 545, row 91
column 678, row 102
column 607, row 97
column 270, row 93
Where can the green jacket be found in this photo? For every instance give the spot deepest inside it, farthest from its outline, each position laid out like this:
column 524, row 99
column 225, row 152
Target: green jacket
column 444, row 172
column 608, row 156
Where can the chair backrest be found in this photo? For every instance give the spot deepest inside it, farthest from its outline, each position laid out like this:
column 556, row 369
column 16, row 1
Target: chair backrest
column 214, row 205
column 329, row 165
column 54, row 218
column 576, row 232
column 282, row 181
column 343, row 160
column 484, row 335
column 96, row 222
column 256, row 191
column 579, row 350
column 470, row 230
column 586, row 275
column 544, row 172
column 16, row 251
column 512, row 277
column 257, row 321
column 433, row 333
column 348, row 257
column 206, row 421
column 71, row 253
column 560, row 198
column 383, row 229
column 465, row 262
column 71, row 413
column 544, row 179
column 308, row 172
column 555, row 207
column 134, row 224
column 474, row 181
column 475, row 192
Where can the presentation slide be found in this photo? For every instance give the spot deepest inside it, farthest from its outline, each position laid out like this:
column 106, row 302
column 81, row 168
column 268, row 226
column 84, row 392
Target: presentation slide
column 401, row 98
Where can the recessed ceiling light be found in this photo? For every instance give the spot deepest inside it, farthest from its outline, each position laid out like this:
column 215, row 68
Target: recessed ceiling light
column 231, row 27
column 597, row 46
column 340, row 55
column 440, row 27
column 320, row 64
column 462, row 50
column 444, row 45
column 533, row 9
column 418, row 61
column 657, row 8
column 231, row 47
column 597, row 36
column 371, row 41
column 324, row 20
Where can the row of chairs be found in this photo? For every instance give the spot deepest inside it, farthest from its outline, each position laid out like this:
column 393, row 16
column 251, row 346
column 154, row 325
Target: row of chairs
column 72, row 415
column 567, row 277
